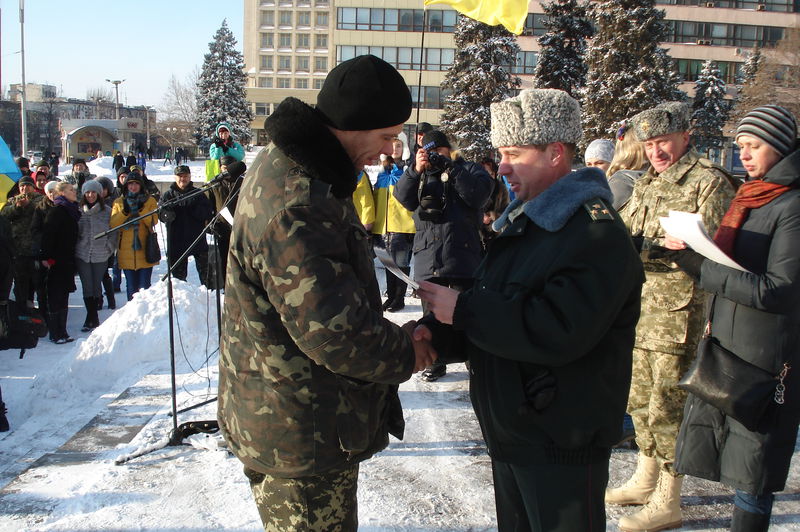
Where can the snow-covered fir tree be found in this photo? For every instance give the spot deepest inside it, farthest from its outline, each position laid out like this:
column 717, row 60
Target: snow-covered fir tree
column 751, row 86
column 710, row 109
column 751, row 66
column 561, row 62
column 480, row 74
column 221, row 90
column 627, row 71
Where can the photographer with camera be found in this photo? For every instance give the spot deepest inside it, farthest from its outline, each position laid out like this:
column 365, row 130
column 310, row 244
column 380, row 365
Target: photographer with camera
column 447, row 197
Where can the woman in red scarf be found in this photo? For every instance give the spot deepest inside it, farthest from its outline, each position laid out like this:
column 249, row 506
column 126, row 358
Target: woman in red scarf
column 756, row 315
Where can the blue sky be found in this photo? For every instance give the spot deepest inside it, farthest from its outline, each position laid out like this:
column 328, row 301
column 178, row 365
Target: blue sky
column 76, row 45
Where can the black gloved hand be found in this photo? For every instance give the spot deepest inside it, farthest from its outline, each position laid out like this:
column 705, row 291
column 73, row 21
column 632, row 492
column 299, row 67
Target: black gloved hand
column 218, row 142
column 540, row 391
column 690, row 262
column 637, row 242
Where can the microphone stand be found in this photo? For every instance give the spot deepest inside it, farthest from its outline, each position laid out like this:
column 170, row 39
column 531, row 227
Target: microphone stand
column 178, row 433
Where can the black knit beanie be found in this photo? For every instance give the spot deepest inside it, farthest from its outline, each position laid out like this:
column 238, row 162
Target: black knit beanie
column 364, row 93
column 438, row 139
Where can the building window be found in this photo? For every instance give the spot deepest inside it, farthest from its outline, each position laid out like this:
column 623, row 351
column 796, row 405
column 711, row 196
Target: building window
column 707, row 33
column 303, row 40
column 320, row 64
column 301, row 83
column 285, row 3
column 286, row 18
column 262, row 109
column 264, row 83
column 689, row 69
column 267, row 40
column 525, row 63
column 322, row 3
column 265, row 62
column 321, row 41
column 432, row 97
column 534, row 25
column 284, row 62
column 321, row 20
column 284, row 83
column 285, row 40
column 301, row 64
column 783, row 6
column 377, row 19
column 267, row 18
column 304, row 18
column 318, row 83
column 436, row 59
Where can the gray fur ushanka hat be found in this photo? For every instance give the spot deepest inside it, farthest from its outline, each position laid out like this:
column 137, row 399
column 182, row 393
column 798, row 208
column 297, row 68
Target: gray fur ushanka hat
column 663, row 119
column 536, row 116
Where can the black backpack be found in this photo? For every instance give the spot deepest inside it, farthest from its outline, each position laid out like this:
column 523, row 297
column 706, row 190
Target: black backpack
column 20, row 330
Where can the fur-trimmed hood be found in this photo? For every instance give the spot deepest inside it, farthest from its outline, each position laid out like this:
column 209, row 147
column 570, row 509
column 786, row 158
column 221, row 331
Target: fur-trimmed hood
column 298, row 132
column 553, row 208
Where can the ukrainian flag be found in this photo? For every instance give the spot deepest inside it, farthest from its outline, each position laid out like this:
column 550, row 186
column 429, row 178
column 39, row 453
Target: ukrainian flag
column 9, row 173
column 509, row 13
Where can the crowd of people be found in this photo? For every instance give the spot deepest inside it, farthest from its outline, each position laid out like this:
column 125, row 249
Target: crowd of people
column 555, row 281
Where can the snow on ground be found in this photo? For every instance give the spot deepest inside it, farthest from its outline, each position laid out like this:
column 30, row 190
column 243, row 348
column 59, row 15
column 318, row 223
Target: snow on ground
column 75, row 408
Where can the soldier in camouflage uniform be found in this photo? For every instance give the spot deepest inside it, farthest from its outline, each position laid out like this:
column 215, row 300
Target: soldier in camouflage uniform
column 672, row 308
column 19, row 211
column 309, row 368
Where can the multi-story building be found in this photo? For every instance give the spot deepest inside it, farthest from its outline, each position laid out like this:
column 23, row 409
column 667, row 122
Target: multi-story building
column 290, row 45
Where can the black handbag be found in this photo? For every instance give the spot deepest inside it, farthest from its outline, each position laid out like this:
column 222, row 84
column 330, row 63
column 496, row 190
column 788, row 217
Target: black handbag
column 152, row 252
column 725, row 381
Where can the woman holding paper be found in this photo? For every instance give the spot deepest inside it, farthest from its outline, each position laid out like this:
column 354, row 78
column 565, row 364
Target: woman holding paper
column 755, row 314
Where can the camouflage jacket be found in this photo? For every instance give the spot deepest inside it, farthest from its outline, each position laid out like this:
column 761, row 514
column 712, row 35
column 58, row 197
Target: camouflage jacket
column 672, row 305
column 21, row 218
column 309, row 368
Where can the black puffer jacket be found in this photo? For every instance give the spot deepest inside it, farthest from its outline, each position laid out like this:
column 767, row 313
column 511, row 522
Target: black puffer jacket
column 756, row 316
column 449, row 244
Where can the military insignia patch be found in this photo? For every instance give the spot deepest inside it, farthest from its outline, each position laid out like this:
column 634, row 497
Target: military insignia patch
column 598, row 210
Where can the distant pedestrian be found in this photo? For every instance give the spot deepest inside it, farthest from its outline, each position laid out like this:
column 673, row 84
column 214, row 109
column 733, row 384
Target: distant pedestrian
column 54, row 162
column 167, row 158
column 119, row 162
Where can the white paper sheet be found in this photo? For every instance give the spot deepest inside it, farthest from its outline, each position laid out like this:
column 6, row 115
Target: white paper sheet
column 392, row 266
column 689, row 227
column 226, row 214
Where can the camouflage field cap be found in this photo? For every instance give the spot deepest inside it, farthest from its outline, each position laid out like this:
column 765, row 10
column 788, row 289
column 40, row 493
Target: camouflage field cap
column 665, row 118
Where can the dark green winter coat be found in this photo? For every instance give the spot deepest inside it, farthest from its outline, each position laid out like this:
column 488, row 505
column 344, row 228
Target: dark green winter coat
column 309, row 368
column 557, row 298
column 756, row 316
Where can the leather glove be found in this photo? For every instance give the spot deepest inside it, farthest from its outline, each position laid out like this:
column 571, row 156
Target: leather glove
column 688, row 260
column 218, row 142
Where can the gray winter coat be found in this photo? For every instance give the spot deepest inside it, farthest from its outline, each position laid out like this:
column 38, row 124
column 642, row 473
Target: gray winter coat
column 448, row 245
column 92, row 222
column 757, row 316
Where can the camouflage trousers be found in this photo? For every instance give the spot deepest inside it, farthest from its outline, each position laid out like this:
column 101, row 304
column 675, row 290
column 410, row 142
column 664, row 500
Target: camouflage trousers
column 319, row 503
column 656, row 403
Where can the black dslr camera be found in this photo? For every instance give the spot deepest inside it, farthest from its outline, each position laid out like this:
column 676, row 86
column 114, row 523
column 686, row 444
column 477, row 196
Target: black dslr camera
column 433, row 184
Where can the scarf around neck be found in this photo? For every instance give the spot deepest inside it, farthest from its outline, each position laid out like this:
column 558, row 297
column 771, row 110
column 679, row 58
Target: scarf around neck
column 751, row 195
column 71, row 207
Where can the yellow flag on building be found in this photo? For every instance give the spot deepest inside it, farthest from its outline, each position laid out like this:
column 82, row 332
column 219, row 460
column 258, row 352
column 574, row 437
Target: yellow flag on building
column 509, row 13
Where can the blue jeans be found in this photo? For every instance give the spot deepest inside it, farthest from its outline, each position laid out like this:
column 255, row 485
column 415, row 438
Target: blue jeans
column 755, row 504
column 136, row 280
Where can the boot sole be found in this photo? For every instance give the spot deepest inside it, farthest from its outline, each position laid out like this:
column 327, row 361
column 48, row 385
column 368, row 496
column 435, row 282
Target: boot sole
column 668, row 526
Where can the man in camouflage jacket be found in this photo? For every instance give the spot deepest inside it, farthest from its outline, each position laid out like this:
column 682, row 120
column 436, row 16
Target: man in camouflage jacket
column 672, row 307
column 309, row 368
column 19, row 212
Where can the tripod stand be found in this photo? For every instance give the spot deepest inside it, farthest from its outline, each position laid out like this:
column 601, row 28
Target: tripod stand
column 178, row 433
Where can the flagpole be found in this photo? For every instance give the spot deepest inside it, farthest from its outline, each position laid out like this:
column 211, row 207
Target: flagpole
column 24, row 143
column 421, row 58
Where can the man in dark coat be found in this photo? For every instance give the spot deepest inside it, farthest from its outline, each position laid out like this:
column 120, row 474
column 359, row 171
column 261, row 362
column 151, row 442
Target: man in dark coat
column 19, row 212
column 309, row 368
column 447, row 199
column 185, row 222
column 548, row 325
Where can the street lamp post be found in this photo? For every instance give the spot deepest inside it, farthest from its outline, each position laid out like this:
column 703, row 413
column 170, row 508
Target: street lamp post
column 22, row 109
column 116, row 83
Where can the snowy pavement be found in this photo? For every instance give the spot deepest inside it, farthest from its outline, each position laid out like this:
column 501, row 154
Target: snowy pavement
column 76, row 408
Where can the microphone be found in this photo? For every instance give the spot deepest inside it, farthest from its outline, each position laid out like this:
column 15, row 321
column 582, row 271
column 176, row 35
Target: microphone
column 234, row 171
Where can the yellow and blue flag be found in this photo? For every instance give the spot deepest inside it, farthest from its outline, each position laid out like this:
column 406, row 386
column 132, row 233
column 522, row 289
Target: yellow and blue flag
column 9, row 173
column 509, row 13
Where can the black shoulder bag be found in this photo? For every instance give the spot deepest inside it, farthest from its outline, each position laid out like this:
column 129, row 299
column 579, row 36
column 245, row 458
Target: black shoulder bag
column 739, row 389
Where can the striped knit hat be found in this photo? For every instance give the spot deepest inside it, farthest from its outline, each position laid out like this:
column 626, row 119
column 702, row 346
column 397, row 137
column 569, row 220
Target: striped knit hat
column 773, row 124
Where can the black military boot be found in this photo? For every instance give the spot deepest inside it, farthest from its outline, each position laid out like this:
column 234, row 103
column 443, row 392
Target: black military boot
column 744, row 521
column 399, row 302
column 64, row 336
